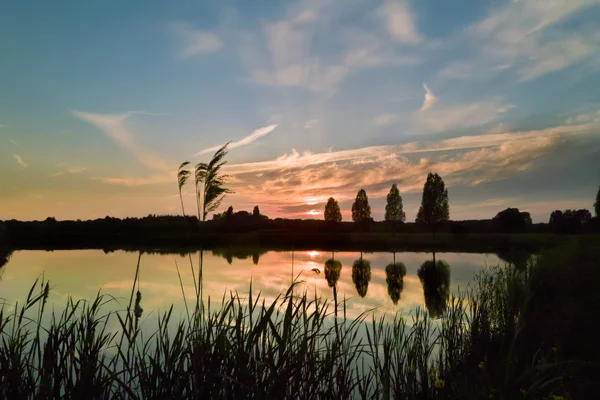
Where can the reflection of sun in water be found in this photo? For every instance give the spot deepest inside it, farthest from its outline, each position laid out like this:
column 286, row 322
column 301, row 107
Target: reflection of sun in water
column 313, row 253
column 313, row 212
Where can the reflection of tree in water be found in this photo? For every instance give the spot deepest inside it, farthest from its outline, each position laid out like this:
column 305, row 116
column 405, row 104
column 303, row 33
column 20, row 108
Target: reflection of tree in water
column 517, row 257
column 394, row 276
column 361, row 275
column 333, row 268
column 229, row 253
column 4, row 258
column 435, row 278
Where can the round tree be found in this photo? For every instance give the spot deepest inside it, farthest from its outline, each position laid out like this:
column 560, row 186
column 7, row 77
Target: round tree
column 332, row 211
column 361, row 210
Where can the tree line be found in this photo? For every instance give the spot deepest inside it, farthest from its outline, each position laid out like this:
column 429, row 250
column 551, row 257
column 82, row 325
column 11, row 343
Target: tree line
column 434, row 205
column 435, row 210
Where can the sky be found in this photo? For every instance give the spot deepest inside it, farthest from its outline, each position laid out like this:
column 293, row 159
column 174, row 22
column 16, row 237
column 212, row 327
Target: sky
column 101, row 101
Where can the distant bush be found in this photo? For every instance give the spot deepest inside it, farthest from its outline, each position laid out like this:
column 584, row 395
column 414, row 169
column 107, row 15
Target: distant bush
column 569, row 221
column 512, row 220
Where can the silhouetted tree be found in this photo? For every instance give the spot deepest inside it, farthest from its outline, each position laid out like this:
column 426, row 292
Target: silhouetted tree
column 333, row 268
column 183, row 174
column 394, row 277
column 597, row 204
column 434, row 204
column 361, row 275
column 213, row 182
column 435, row 278
column 229, row 212
column 361, row 210
column 512, row 220
column 332, row 211
column 569, row 221
column 394, row 211
column 256, row 212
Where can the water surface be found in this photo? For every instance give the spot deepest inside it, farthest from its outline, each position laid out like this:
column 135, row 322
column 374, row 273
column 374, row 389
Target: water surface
column 82, row 273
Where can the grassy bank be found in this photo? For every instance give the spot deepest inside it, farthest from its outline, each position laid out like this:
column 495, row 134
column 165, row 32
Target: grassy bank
column 516, row 333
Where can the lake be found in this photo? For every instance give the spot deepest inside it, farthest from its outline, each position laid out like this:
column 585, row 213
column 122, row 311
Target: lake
column 82, row 273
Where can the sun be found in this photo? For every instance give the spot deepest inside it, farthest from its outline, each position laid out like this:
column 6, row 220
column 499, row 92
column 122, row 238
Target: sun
column 313, row 253
column 313, row 212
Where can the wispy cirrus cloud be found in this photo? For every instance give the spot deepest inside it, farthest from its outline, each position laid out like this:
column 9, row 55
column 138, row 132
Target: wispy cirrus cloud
column 366, row 155
column 254, row 136
column 452, row 117
column 443, row 118
column 284, row 53
column 113, row 125
column 20, row 161
column 15, row 143
column 490, row 155
column 71, row 169
column 529, row 37
column 195, row 42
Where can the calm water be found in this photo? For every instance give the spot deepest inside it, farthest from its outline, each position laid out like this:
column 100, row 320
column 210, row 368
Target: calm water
column 81, row 273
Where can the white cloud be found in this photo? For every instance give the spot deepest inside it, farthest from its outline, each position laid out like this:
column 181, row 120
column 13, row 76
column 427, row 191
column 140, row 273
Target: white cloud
column 400, row 21
column 76, row 169
column 242, row 142
column 506, row 108
column 114, row 126
column 310, row 124
column 384, row 119
column 430, row 99
column 195, row 42
column 20, row 161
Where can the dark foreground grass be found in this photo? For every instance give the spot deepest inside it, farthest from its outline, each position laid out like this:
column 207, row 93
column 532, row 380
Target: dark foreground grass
column 514, row 334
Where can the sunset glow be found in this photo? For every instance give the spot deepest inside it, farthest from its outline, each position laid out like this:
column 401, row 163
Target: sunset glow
column 313, row 253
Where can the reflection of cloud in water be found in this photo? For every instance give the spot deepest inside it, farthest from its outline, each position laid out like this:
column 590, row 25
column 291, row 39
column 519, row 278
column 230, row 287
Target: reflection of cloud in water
column 83, row 272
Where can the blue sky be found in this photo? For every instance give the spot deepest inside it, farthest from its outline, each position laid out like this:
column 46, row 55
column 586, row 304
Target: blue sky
column 100, row 103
